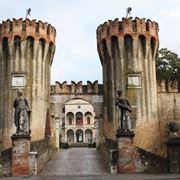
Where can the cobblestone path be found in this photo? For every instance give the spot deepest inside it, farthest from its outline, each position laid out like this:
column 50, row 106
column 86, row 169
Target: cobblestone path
column 75, row 161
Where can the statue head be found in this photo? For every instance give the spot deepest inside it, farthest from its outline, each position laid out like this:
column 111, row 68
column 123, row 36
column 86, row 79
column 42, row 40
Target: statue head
column 119, row 92
column 19, row 93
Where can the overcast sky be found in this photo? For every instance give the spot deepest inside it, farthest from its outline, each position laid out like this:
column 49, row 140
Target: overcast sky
column 76, row 56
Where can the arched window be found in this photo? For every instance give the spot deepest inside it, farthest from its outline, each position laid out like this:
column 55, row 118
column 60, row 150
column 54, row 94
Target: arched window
column 88, row 120
column 79, row 135
column 70, row 136
column 88, row 117
column 89, row 136
column 70, row 121
column 69, row 118
column 79, row 118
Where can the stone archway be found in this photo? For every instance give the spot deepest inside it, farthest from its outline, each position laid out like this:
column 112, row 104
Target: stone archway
column 88, row 136
column 79, row 118
column 79, row 135
column 70, row 136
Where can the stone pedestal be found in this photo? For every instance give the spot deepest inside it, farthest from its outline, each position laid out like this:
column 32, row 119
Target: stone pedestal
column 126, row 152
column 20, row 154
column 173, row 153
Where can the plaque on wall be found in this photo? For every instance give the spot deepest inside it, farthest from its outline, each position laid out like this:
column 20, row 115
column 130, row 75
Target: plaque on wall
column 134, row 80
column 18, row 80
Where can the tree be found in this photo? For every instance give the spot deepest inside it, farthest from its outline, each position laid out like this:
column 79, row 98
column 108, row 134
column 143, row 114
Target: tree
column 167, row 66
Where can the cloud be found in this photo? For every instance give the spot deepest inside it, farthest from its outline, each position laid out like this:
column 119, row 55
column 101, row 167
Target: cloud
column 76, row 56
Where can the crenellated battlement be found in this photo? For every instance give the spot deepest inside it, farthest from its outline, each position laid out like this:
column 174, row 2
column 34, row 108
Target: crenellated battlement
column 127, row 26
column 27, row 27
column 77, row 88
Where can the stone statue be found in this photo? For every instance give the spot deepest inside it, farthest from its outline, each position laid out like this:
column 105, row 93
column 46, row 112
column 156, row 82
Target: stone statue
column 173, row 128
column 22, row 114
column 125, row 109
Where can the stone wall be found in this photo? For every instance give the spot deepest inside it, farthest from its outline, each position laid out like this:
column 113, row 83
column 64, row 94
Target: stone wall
column 108, row 150
column 143, row 162
column 6, row 162
column 40, row 152
column 147, row 162
column 152, row 135
column 168, row 110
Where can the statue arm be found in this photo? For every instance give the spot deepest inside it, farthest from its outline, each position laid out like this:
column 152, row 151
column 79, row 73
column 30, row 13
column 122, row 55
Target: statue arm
column 117, row 102
column 27, row 104
column 15, row 104
column 128, row 105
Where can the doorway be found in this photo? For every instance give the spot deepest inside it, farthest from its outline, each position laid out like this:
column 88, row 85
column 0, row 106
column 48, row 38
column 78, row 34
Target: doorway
column 79, row 135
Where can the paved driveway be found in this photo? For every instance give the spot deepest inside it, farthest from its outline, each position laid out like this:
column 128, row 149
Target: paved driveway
column 75, row 161
column 85, row 164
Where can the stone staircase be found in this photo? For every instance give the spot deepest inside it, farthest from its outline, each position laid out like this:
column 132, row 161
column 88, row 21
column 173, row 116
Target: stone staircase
column 78, row 144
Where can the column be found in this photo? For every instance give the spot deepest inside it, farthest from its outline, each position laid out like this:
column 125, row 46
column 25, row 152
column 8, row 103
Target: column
column 57, row 132
column 65, row 136
column 75, row 140
column 97, row 132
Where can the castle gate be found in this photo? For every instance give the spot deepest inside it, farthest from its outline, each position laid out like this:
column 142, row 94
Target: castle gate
column 76, row 109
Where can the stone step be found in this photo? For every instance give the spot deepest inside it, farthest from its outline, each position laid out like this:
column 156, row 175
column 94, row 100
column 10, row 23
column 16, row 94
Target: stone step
column 78, row 144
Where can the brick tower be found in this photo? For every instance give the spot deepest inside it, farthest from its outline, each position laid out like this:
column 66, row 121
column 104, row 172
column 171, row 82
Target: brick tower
column 26, row 53
column 127, row 50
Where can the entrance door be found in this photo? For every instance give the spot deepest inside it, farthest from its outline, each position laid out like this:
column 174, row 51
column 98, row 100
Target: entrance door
column 79, row 135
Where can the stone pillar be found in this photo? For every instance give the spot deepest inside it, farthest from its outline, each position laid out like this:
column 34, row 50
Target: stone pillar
column 20, row 154
column 75, row 140
column 65, row 136
column 33, row 163
column 113, row 166
column 84, row 137
column 126, row 152
column 173, row 154
column 57, row 132
column 97, row 130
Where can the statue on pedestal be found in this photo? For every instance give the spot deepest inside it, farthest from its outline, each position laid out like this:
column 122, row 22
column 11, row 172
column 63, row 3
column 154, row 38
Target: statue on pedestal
column 125, row 109
column 21, row 115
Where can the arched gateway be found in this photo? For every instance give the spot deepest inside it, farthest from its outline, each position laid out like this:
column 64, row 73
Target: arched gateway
column 82, row 128
column 74, row 108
